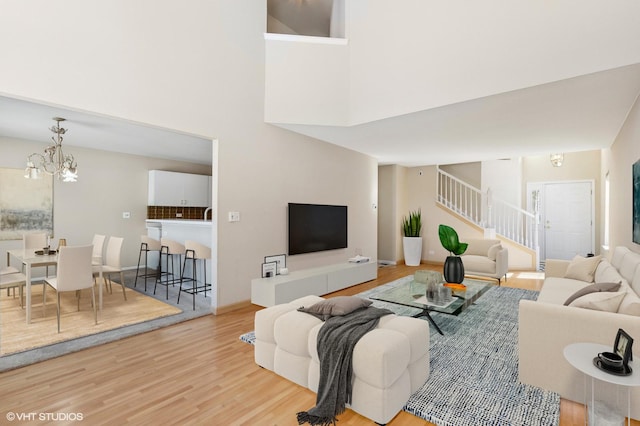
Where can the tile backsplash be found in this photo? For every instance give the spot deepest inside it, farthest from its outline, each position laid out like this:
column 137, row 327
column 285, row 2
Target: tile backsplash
column 173, row 212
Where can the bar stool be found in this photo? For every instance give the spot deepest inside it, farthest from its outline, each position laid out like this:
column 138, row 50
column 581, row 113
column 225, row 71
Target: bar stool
column 195, row 251
column 147, row 245
column 169, row 250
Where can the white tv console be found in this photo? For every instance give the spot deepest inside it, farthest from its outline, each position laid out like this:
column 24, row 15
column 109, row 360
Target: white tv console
column 317, row 281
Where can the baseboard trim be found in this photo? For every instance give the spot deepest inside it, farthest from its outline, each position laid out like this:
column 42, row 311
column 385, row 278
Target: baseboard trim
column 219, row 310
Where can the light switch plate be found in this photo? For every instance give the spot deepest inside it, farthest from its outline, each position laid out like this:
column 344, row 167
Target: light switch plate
column 126, row 215
column 234, row 216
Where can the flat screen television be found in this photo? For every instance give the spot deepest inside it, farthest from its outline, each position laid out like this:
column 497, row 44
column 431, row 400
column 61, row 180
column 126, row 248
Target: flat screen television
column 316, row 227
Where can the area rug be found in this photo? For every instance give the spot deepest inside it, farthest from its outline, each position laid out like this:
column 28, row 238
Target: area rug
column 474, row 366
column 22, row 345
column 18, row 336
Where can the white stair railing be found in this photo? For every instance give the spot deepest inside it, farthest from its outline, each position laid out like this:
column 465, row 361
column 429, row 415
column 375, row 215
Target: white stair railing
column 459, row 196
column 485, row 211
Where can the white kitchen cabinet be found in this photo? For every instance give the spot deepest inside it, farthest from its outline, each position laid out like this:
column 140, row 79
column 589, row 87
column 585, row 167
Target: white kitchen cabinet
column 178, row 189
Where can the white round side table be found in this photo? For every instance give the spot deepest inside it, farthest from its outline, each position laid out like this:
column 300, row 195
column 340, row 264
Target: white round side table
column 580, row 356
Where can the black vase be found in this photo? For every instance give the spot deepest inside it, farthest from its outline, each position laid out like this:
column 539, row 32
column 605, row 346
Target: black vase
column 453, row 270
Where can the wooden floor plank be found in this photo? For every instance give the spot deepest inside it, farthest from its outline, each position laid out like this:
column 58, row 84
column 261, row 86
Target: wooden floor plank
column 192, row 373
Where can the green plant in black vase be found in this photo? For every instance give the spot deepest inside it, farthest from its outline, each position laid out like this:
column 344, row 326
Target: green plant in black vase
column 453, row 267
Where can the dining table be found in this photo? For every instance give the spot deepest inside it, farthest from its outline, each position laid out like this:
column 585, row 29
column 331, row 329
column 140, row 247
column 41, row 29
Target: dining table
column 35, row 258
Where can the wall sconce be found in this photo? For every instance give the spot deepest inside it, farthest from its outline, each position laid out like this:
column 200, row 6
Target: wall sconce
column 556, row 159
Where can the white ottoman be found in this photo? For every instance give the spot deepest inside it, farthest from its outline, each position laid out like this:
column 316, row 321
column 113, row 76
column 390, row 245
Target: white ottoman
column 389, row 363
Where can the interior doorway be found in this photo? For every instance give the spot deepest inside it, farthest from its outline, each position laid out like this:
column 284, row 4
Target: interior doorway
column 566, row 210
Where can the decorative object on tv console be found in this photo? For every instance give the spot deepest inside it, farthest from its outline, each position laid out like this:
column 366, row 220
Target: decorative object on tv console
column 281, row 262
column 636, row 202
column 316, row 227
column 453, row 266
column 269, row 269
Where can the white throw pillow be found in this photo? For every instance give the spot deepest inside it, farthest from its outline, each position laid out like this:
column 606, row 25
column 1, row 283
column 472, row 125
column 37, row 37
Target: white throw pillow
column 493, row 251
column 601, row 301
column 606, row 273
column 582, row 268
column 630, row 305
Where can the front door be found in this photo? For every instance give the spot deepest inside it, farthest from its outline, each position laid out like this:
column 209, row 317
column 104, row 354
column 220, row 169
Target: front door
column 566, row 219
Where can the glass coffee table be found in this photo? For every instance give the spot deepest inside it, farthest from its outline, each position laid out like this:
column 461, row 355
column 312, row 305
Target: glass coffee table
column 411, row 293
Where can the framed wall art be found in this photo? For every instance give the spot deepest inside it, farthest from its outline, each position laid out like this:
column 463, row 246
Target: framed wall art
column 280, row 259
column 269, row 269
column 26, row 205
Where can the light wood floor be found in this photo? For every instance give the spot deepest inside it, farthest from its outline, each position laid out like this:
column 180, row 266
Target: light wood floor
column 193, row 373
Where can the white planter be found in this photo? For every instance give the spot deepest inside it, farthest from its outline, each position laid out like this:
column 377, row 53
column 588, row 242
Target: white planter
column 412, row 250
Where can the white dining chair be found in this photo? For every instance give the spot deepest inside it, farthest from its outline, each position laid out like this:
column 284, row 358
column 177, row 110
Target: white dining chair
column 74, row 273
column 34, row 241
column 112, row 265
column 13, row 280
column 98, row 247
column 10, row 270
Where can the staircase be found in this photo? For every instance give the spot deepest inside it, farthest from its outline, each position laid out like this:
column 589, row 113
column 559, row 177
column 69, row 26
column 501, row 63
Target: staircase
column 487, row 212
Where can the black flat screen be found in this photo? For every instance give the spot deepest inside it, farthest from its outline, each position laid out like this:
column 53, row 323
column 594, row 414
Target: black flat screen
column 316, row 227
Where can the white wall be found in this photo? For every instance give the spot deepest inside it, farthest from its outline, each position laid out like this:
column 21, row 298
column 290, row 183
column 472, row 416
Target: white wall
column 443, row 42
column 618, row 162
column 405, row 56
column 196, row 67
column 504, row 178
column 471, row 173
column 387, row 217
column 307, row 80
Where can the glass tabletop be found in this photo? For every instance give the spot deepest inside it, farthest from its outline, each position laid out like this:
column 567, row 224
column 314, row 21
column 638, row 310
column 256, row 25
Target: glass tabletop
column 411, row 293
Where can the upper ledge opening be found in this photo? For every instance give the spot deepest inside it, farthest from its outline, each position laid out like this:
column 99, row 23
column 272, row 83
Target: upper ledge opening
column 306, row 39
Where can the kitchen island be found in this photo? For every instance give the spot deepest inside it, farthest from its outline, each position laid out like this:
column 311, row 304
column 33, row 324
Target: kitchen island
column 181, row 230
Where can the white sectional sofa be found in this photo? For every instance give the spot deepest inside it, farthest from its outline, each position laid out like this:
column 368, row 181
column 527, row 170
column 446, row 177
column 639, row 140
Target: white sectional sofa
column 547, row 326
column 487, row 258
column 389, row 363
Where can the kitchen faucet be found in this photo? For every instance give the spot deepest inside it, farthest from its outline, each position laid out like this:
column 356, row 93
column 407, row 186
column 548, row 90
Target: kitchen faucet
column 208, row 209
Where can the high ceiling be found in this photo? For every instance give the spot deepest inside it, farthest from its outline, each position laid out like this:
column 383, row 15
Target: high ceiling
column 581, row 113
column 30, row 121
column 578, row 114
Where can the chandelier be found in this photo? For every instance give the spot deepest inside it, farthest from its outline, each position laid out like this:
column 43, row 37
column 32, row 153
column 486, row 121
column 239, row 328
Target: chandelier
column 54, row 162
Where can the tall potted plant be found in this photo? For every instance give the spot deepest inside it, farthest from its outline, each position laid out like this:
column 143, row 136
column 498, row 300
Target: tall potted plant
column 412, row 241
column 453, row 267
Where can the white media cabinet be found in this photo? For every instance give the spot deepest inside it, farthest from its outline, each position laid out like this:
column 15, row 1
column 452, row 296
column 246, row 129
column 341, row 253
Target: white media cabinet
column 317, row 281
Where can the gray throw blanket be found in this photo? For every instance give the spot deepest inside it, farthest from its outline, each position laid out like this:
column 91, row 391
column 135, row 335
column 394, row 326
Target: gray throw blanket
column 336, row 339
